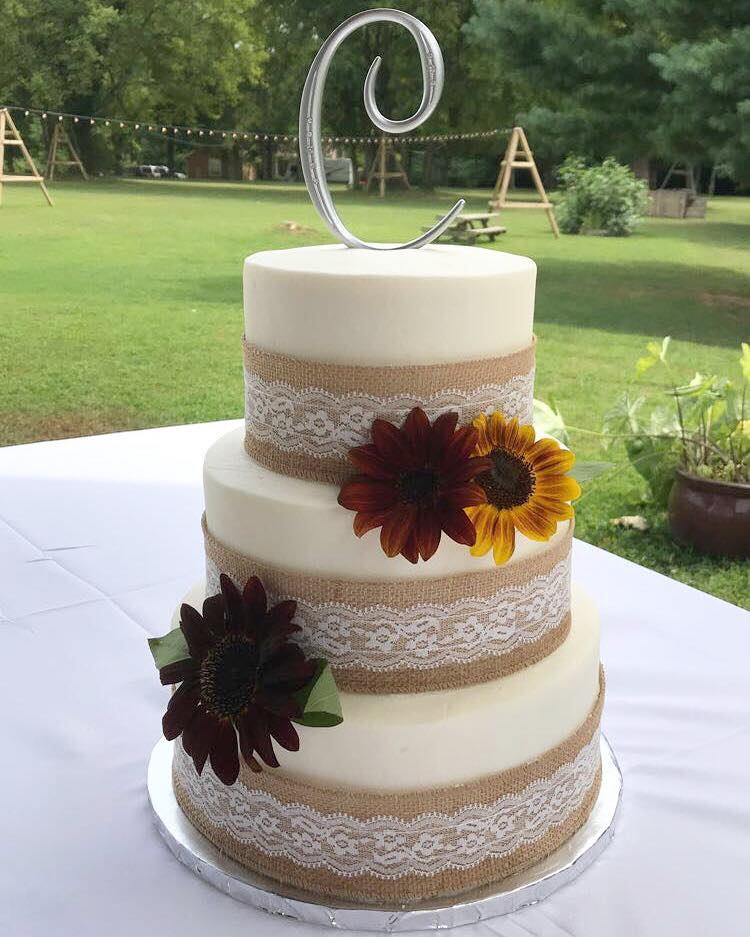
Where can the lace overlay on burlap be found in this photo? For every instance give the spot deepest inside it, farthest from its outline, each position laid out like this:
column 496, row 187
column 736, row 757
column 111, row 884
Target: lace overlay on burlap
column 391, row 847
column 317, row 423
column 428, row 636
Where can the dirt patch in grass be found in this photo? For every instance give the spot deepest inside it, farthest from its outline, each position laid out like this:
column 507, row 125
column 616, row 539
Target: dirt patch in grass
column 17, row 428
column 727, row 300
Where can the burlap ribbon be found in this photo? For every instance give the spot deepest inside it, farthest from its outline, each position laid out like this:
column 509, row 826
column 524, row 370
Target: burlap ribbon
column 406, row 636
column 302, row 417
column 366, row 846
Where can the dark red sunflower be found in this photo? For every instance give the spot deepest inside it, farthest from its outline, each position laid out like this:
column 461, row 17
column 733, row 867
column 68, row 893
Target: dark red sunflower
column 237, row 687
column 414, row 483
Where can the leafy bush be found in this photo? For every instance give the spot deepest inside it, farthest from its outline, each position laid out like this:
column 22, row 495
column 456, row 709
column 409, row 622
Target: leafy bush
column 604, row 199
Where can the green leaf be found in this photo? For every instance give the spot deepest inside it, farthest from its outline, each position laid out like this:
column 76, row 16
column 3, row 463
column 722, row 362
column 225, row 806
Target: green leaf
column 644, row 364
column 319, row 699
column 547, row 419
column 657, row 351
column 584, row 471
column 745, row 360
column 655, row 461
column 622, row 417
column 169, row 648
column 699, row 384
column 664, row 422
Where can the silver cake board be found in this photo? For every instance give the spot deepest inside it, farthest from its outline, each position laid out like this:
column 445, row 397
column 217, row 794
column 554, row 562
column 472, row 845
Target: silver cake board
column 517, row 891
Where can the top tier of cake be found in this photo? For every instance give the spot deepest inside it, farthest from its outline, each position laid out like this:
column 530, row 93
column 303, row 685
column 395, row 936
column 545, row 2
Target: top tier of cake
column 436, row 305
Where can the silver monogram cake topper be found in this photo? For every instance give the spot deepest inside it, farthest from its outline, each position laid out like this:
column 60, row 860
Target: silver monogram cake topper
column 311, row 150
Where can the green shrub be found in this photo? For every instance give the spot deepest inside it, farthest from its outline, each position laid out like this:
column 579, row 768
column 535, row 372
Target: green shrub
column 603, row 199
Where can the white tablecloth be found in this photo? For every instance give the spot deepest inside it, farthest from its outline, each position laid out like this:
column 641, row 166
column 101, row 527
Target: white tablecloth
column 100, row 537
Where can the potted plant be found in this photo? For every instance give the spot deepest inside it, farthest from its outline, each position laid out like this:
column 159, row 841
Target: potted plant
column 691, row 444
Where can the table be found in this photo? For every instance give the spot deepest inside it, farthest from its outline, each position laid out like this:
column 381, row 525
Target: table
column 100, row 537
column 468, row 227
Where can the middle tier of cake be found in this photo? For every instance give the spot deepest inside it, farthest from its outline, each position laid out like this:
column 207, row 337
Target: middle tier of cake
column 385, row 625
column 298, row 524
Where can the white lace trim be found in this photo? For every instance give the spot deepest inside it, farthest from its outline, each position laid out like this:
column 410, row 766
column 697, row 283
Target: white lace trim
column 384, row 846
column 324, row 425
column 382, row 638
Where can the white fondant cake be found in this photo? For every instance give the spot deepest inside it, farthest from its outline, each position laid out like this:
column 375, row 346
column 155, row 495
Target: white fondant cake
column 435, row 305
column 471, row 693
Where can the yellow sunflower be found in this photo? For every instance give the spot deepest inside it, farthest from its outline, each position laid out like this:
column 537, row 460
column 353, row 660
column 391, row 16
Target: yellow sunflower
column 527, row 488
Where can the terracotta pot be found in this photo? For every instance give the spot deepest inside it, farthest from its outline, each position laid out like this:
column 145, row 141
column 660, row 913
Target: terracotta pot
column 712, row 516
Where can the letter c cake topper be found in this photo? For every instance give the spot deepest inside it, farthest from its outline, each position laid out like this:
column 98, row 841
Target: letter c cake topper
column 310, row 147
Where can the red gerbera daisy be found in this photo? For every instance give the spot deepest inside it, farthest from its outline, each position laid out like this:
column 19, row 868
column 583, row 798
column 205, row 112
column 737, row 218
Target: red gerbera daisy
column 414, row 483
column 239, row 682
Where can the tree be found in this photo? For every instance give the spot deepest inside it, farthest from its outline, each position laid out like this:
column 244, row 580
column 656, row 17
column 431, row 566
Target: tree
column 601, row 77
column 709, row 101
column 144, row 58
column 296, row 28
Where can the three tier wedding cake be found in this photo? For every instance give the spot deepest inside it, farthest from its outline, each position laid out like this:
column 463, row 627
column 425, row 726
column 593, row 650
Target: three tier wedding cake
column 386, row 523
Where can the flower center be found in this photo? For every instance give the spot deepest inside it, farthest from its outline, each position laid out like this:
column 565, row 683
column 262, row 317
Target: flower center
column 228, row 675
column 510, row 482
column 417, row 485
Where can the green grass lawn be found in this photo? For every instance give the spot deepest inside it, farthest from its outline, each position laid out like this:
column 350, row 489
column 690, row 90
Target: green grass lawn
column 121, row 308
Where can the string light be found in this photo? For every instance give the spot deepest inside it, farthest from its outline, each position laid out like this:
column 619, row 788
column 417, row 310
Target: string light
column 276, row 137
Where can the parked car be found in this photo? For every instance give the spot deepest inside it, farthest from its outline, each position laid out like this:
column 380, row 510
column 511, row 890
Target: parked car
column 149, row 171
column 155, row 171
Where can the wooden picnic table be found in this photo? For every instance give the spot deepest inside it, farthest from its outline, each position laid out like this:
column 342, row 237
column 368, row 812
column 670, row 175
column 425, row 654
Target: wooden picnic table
column 470, row 226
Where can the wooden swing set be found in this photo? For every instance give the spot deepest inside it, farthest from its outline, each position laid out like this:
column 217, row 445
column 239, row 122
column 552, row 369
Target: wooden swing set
column 387, row 167
column 9, row 136
column 62, row 152
column 524, row 159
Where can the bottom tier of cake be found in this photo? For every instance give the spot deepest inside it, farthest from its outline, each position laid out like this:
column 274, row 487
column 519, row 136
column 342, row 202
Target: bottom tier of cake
column 424, row 795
